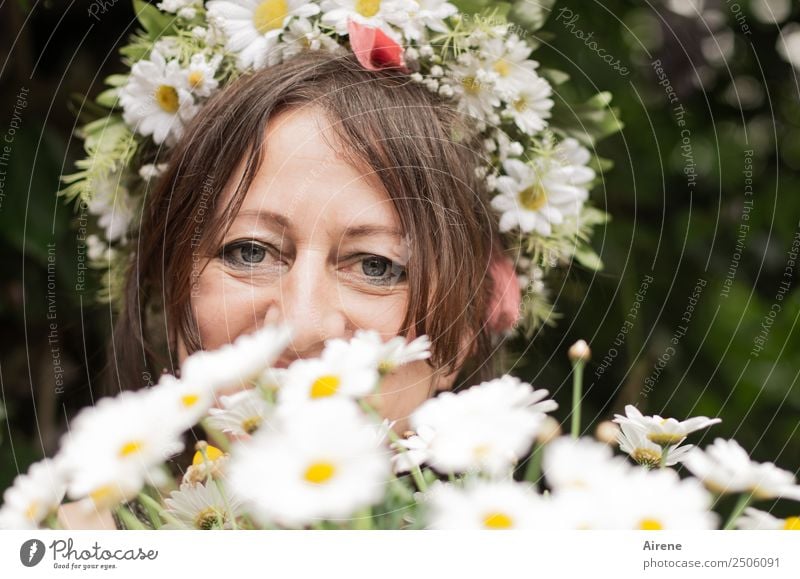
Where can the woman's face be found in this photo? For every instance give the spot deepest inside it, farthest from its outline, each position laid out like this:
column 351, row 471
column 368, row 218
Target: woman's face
column 316, row 244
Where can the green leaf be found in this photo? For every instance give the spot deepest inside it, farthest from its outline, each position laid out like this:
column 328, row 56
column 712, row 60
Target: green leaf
column 531, row 14
column 116, row 80
column 553, row 76
column 107, row 98
column 155, row 22
column 588, row 258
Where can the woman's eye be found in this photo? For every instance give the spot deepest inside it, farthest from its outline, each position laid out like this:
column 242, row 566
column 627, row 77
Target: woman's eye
column 244, row 253
column 382, row 271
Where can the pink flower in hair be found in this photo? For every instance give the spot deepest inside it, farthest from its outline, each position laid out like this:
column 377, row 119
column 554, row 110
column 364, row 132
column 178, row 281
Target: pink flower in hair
column 506, row 297
column 374, row 49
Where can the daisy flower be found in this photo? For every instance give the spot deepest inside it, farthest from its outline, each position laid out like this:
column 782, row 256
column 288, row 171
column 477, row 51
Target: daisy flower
column 755, row 520
column 187, row 402
column 725, row 467
column 253, row 27
column 487, row 427
column 200, row 74
column 508, row 57
column 241, row 414
column 429, row 14
column 663, row 431
column 633, row 441
column 319, row 463
column 473, row 85
column 33, row 496
column 582, row 463
column 373, row 13
column 659, row 499
column 319, row 378
column 156, row 101
column 536, row 196
column 412, row 451
column 302, row 35
column 201, row 506
column 369, row 347
column 213, row 464
column 487, row 505
column 531, row 106
column 238, row 363
column 113, row 205
column 117, row 446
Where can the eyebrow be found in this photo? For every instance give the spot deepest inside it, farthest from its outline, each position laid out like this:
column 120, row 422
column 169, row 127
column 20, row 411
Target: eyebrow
column 363, row 230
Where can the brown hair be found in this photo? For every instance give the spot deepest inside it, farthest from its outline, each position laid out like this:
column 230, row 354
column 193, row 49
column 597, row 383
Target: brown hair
column 424, row 152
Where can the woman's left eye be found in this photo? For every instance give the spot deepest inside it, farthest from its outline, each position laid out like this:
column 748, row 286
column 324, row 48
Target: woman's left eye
column 381, row 271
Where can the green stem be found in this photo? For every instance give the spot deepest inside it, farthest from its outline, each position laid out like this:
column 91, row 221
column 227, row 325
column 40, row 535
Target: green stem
column 664, row 452
column 533, row 472
column 741, row 505
column 416, row 472
column 577, row 387
column 129, row 519
column 152, row 507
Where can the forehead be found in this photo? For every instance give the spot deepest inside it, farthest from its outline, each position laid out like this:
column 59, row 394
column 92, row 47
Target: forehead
column 306, row 176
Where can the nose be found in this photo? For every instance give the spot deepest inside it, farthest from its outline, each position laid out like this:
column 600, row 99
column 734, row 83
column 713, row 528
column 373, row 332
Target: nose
column 307, row 300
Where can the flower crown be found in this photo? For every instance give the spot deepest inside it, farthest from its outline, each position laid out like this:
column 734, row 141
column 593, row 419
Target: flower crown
column 539, row 171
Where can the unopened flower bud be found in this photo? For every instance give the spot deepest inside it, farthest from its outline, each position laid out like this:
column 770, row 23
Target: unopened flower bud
column 580, row 352
column 550, row 430
column 607, row 432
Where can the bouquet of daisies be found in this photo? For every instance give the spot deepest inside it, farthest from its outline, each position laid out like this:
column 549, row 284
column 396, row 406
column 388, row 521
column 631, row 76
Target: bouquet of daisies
column 303, row 447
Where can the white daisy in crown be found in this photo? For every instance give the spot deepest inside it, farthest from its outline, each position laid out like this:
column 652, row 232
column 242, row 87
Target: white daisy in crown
column 253, row 27
column 375, row 13
column 538, row 195
column 200, row 74
column 427, row 14
column 157, row 101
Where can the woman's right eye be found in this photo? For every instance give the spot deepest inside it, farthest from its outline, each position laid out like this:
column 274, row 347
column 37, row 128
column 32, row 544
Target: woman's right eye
column 244, row 253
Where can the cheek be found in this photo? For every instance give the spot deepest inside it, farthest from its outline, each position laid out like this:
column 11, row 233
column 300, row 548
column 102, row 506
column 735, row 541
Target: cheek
column 224, row 307
column 382, row 313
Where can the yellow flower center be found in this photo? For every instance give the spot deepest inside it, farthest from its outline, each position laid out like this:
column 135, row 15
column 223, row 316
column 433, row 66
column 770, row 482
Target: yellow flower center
column 196, row 78
column 250, row 425
column 103, row 495
column 209, row 518
column 167, row 98
column 647, row 457
column 320, row 472
column 189, row 400
column 471, row 85
column 368, row 8
column 664, row 439
column 212, row 452
column 791, row 524
column 325, row 386
column 269, row 15
column 130, row 448
column 533, row 198
column 521, row 105
column 650, row 525
column 497, row 521
column 501, row 67
column 32, row 510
